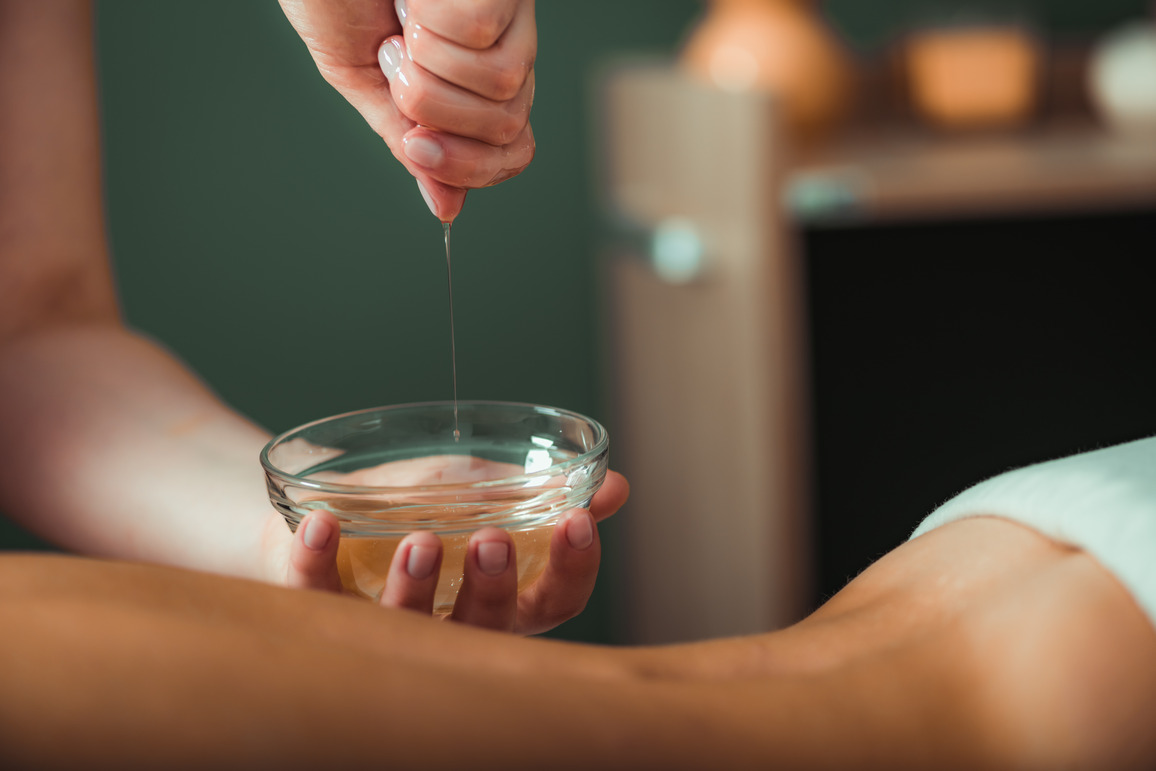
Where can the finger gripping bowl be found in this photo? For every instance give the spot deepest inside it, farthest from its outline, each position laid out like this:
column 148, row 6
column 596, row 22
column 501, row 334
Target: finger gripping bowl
column 389, row 471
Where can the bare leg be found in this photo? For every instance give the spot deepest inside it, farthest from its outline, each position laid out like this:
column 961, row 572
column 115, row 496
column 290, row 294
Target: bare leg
column 979, row 645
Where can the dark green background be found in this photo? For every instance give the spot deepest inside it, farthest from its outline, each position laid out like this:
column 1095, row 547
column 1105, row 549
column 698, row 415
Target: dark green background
column 263, row 232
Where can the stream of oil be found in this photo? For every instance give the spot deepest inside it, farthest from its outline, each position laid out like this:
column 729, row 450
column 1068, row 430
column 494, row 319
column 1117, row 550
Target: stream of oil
column 453, row 346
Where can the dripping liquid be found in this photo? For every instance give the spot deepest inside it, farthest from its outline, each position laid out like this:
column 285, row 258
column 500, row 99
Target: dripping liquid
column 453, row 347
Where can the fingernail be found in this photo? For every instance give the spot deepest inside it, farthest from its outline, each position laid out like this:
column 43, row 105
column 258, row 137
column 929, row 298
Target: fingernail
column 428, row 200
column 493, row 557
column 423, row 151
column 389, row 58
column 420, row 563
column 317, row 534
column 580, row 531
column 399, row 6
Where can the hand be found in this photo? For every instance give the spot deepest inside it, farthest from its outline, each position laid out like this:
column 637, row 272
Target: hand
column 447, row 84
column 489, row 596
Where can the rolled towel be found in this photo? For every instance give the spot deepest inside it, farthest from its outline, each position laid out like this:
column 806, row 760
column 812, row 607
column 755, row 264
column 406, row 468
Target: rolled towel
column 1103, row 502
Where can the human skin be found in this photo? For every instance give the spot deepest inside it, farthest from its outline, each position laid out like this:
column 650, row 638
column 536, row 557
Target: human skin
column 109, row 445
column 448, row 84
column 979, row 645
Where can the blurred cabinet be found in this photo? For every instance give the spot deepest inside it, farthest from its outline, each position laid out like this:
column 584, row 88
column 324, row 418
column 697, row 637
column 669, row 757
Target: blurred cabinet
column 907, row 175
column 705, row 358
column 808, row 353
column 974, row 303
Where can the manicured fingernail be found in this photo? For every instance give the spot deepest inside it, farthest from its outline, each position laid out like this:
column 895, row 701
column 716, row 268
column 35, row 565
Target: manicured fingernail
column 317, row 534
column 428, row 200
column 580, row 531
column 421, row 561
column 389, row 58
column 493, row 557
column 423, row 151
column 399, row 6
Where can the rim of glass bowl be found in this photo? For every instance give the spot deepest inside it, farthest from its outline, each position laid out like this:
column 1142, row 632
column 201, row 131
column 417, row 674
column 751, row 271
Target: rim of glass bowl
column 602, row 441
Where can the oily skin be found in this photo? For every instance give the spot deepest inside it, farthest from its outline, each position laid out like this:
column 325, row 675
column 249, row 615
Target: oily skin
column 979, row 645
column 447, row 85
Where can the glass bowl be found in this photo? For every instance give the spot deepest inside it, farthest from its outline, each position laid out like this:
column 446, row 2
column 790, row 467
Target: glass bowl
column 438, row 466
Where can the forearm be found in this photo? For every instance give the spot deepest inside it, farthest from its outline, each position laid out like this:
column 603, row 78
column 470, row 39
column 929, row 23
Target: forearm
column 107, row 445
column 111, row 447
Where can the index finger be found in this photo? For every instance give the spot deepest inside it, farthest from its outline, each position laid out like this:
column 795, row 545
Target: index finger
column 497, row 73
column 468, row 23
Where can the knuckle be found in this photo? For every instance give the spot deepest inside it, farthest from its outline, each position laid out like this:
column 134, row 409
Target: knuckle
column 508, row 129
column 509, row 172
column 507, row 83
column 481, row 29
column 417, row 45
column 414, row 101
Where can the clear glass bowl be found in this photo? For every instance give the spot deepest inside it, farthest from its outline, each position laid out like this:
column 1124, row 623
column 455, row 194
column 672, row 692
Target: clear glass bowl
column 450, row 469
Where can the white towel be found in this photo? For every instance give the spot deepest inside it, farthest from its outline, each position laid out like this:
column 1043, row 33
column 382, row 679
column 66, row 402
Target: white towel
column 1103, row 502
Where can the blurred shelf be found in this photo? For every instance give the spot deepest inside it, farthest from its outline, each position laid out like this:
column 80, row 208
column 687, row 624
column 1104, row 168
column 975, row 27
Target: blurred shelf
column 904, row 175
